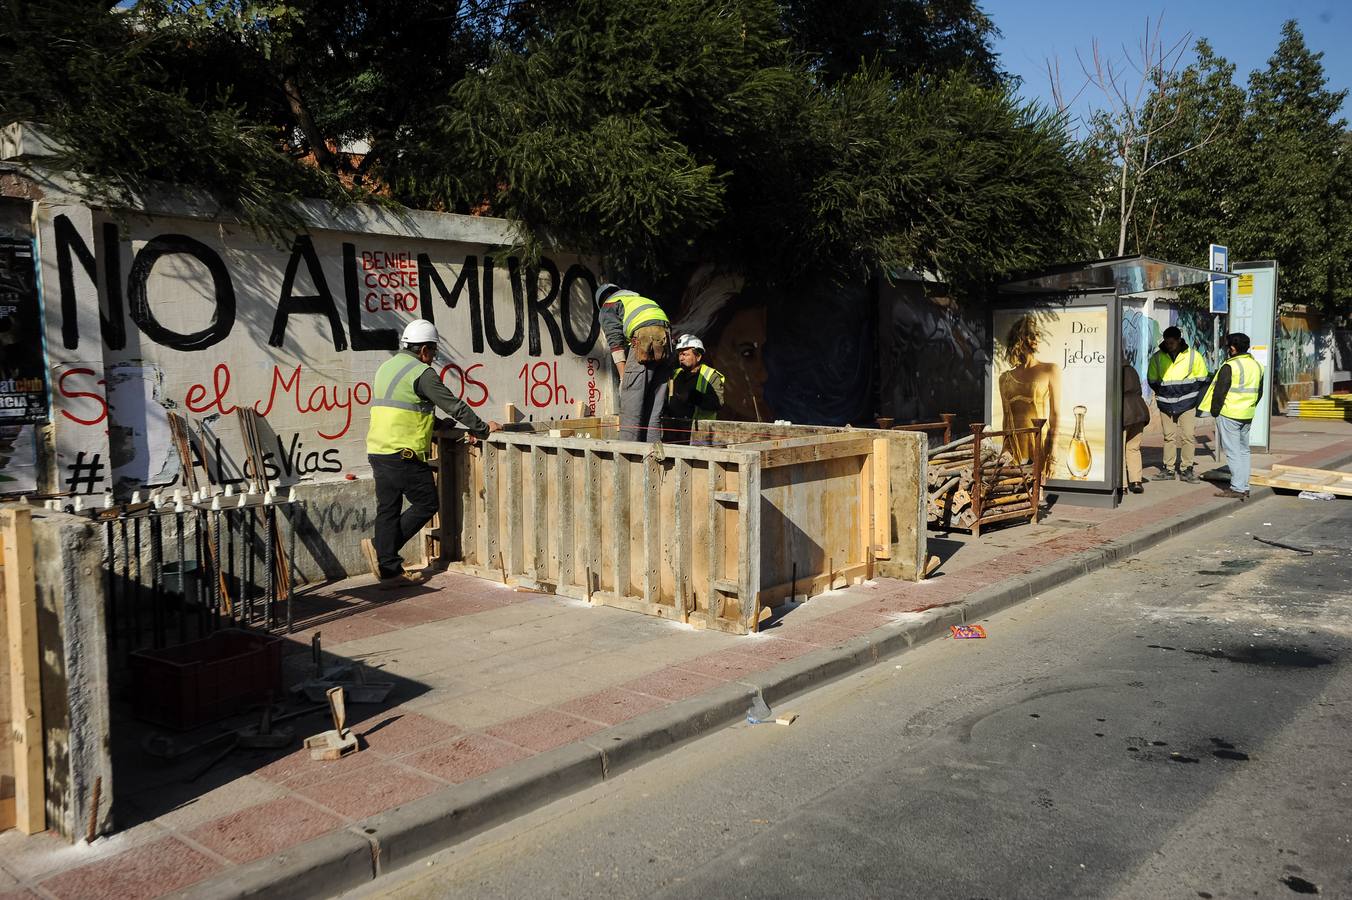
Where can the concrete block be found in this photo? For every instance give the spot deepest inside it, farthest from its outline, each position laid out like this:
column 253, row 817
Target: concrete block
column 336, row 862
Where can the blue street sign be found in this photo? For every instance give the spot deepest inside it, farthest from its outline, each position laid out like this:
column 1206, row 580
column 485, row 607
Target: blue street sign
column 1220, row 285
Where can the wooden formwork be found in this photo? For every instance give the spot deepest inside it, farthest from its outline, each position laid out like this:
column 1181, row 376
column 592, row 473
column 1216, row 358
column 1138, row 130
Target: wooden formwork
column 713, row 535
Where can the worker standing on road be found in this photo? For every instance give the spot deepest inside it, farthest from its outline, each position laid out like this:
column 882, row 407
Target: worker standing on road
column 406, row 392
column 1233, row 398
column 639, row 334
column 1178, row 375
column 694, row 394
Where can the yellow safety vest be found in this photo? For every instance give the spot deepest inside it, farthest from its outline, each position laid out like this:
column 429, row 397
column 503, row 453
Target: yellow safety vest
column 706, row 375
column 640, row 311
column 400, row 419
column 1246, row 379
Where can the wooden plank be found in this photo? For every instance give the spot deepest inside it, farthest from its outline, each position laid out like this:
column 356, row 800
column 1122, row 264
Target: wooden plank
column 715, row 538
column 1333, row 482
column 826, row 447
column 652, row 528
column 591, row 520
column 513, row 504
column 564, row 535
column 813, row 585
column 492, row 543
column 632, row 448
column 682, row 536
column 882, row 499
column 539, row 489
column 1280, row 467
column 749, row 543
column 25, row 699
column 619, row 538
column 727, row 498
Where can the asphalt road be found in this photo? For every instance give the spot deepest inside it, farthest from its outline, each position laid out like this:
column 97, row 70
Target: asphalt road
column 1178, row 725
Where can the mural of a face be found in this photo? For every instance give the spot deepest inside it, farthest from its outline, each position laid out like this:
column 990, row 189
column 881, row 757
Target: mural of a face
column 738, row 352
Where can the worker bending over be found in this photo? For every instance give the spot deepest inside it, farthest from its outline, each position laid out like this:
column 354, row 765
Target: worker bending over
column 639, row 334
column 406, row 392
column 694, row 395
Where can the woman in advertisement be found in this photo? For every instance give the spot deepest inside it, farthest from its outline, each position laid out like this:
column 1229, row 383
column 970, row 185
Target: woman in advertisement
column 1029, row 390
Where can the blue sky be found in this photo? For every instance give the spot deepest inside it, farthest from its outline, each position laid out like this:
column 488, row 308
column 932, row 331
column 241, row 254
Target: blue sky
column 1243, row 31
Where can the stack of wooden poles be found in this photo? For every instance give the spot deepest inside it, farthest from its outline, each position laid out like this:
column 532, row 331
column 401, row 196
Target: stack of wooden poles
column 973, row 481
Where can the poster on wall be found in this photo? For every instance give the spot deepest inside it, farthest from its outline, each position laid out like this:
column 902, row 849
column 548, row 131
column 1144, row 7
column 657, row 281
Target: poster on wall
column 23, row 383
column 1253, row 311
column 1052, row 361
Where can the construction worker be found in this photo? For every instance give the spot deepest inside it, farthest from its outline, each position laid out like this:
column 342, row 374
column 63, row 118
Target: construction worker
column 1178, row 375
column 1233, row 398
column 694, row 394
column 406, row 391
column 639, row 334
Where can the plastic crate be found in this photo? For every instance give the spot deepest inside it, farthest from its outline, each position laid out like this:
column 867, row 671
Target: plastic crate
column 205, row 681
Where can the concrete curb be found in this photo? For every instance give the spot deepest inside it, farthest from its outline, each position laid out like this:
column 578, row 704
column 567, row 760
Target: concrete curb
column 382, row 843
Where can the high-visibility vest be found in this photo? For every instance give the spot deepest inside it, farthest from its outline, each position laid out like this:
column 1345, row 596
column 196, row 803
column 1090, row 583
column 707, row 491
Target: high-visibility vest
column 640, row 311
column 703, row 379
column 400, row 419
column 1178, row 378
column 1246, row 379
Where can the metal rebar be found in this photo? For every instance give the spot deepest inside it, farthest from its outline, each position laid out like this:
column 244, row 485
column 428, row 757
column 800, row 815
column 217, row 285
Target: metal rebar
column 215, row 540
column 135, row 593
column 291, row 566
column 269, row 528
column 199, row 551
column 249, row 589
column 157, row 615
column 110, row 574
column 182, row 579
column 231, row 585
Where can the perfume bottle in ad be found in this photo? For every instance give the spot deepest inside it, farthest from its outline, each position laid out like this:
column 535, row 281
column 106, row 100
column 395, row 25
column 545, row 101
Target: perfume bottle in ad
column 1080, row 456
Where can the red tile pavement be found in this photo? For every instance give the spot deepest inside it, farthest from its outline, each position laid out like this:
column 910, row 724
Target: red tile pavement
column 468, row 605
column 814, row 632
column 296, row 768
column 373, row 789
column 398, row 731
column 20, row 894
column 350, row 628
column 671, row 684
column 466, row 758
column 858, row 617
column 543, row 730
column 146, row 871
column 774, row 648
column 265, row 829
column 404, row 615
column 726, row 665
column 612, row 706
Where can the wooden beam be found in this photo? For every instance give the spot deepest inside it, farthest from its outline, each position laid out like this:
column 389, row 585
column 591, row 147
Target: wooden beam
column 492, row 518
column 539, row 489
column 882, row 499
column 514, row 504
column 714, row 516
column 25, row 676
column 827, row 447
column 749, row 544
column 619, row 537
column 682, row 536
column 652, row 529
column 566, row 539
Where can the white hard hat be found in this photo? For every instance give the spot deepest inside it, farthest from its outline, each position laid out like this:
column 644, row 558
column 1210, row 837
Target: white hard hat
column 689, row 342
column 419, row 331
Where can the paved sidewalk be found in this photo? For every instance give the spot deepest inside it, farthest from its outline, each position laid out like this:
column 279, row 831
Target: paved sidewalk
column 506, row 700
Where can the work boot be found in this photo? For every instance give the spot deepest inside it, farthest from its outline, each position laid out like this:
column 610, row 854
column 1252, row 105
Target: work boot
column 1164, row 475
column 1230, row 494
column 1188, row 476
column 402, row 580
column 368, row 551
column 1136, row 488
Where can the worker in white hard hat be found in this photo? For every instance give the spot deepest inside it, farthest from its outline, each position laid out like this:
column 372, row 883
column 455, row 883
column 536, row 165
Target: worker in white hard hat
column 694, row 394
column 406, row 392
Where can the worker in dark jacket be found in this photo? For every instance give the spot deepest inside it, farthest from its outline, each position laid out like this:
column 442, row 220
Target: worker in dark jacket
column 694, row 395
column 1135, row 416
column 1177, row 374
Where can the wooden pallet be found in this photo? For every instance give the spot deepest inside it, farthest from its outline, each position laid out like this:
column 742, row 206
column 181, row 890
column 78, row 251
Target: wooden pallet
column 1296, row 478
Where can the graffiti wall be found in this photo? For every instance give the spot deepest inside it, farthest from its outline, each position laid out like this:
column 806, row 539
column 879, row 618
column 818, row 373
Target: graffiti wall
column 932, row 356
column 1299, row 345
column 144, row 316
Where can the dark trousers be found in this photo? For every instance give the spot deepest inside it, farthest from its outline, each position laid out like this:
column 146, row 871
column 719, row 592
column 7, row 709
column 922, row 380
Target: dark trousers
column 398, row 478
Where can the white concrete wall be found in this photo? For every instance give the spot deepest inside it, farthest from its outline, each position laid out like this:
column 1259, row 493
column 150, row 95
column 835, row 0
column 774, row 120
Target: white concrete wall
column 177, row 311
